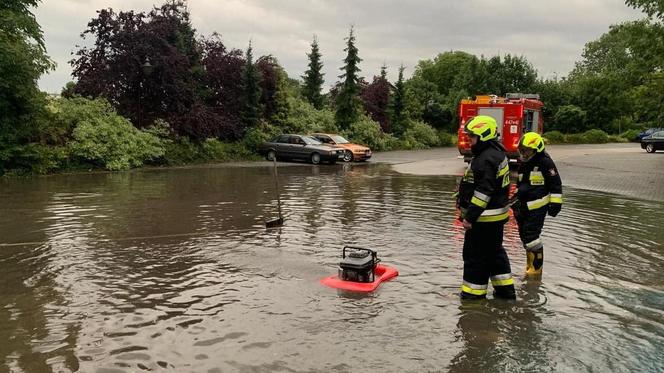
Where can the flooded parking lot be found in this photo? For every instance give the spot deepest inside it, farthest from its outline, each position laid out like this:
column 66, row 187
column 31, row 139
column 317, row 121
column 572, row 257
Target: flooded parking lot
column 173, row 270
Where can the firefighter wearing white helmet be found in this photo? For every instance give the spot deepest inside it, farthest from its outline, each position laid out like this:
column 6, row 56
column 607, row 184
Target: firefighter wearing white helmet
column 483, row 201
column 539, row 192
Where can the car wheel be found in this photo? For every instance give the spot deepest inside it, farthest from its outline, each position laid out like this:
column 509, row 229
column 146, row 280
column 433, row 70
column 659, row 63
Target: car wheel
column 650, row 148
column 315, row 158
column 271, row 155
column 348, row 156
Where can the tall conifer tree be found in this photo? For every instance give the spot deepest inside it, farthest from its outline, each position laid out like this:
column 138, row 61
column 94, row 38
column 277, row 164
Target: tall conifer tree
column 252, row 93
column 348, row 103
column 398, row 103
column 313, row 78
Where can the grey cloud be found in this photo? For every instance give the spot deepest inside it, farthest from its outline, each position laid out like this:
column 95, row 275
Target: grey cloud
column 551, row 34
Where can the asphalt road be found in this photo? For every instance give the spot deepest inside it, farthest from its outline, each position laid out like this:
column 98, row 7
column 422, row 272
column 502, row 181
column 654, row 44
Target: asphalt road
column 624, row 169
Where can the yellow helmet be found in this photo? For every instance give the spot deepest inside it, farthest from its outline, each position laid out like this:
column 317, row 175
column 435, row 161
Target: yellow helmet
column 532, row 140
column 482, row 126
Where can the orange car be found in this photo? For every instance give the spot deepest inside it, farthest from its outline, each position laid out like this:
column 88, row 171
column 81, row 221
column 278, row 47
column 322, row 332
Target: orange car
column 354, row 152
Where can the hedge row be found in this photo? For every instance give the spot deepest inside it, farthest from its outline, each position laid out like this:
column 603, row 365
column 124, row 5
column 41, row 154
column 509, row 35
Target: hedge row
column 89, row 134
column 593, row 136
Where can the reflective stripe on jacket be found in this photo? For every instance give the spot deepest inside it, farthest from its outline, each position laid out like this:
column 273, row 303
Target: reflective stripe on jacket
column 539, row 183
column 484, row 189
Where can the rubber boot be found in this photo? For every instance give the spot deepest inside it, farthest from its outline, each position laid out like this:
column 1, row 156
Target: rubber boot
column 468, row 296
column 504, row 292
column 534, row 263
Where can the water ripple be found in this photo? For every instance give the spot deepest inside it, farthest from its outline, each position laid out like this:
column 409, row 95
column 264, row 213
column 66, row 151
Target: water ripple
column 173, row 269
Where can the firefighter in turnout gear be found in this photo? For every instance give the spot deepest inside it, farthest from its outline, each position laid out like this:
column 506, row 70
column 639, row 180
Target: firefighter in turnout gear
column 483, row 201
column 540, row 191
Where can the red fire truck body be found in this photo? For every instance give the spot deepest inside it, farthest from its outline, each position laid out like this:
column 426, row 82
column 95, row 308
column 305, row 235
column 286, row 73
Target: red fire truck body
column 515, row 115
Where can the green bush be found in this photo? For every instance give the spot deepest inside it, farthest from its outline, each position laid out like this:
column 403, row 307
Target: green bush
column 303, row 118
column 408, row 143
column 390, row 142
column 616, row 138
column 367, row 132
column 83, row 132
column 68, row 113
column 215, row 150
column 93, row 133
column 240, row 152
column 50, row 158
column 181, row 151
column 258, row 135
column 40, row 159
column 595, row 136
column 161, row 129
column 630, row 135
column 112, row 142
column 575, row 138
column 421, row 135
column 446, row 139
column 554, row 137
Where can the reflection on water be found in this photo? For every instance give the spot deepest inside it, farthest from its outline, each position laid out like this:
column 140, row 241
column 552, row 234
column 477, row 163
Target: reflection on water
column 173, row 269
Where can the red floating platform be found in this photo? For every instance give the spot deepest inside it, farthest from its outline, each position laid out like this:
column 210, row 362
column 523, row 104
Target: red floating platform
column 383, row 273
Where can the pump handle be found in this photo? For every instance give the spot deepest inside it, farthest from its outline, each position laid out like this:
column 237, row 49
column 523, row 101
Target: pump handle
column 374, row 255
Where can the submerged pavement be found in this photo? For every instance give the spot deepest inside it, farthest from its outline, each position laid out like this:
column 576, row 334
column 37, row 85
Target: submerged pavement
column 172, row 269
column 623, row 169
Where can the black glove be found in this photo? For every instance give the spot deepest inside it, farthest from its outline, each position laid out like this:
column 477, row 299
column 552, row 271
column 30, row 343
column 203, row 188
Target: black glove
column 554, row 209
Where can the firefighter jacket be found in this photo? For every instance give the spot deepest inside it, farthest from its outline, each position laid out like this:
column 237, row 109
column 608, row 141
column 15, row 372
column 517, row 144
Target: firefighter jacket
column 539, row 184
column 484, row 189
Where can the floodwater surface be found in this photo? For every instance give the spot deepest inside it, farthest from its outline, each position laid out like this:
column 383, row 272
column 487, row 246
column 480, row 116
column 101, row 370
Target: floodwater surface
column 173, row 270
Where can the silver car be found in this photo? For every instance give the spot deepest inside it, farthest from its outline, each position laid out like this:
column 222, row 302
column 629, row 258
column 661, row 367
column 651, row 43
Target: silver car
column 301, row 147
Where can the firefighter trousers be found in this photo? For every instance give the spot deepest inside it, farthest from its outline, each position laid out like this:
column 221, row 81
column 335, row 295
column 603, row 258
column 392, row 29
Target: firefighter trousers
column 530, row 228
column 484, row 259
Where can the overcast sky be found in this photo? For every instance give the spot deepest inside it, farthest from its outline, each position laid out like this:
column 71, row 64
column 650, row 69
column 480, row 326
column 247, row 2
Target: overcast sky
column 550, row 34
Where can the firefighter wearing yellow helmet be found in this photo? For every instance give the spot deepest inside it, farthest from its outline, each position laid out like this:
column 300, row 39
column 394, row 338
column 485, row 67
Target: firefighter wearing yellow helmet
column 539, row 192
column 483, row 201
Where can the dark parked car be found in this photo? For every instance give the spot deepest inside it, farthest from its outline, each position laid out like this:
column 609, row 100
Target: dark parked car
column 301, row 147
column 648, row 132
column 653, row 142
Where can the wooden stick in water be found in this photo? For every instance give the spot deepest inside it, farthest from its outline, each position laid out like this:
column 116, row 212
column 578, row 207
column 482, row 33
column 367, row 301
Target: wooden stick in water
column 279, row 221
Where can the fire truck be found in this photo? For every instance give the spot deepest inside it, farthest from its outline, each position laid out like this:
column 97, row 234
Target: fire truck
column 515, row 114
